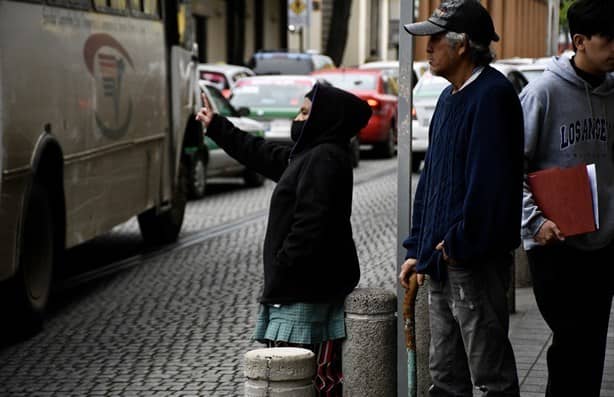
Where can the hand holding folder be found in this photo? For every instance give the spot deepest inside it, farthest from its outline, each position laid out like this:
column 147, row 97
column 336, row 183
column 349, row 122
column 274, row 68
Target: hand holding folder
column 568, row 197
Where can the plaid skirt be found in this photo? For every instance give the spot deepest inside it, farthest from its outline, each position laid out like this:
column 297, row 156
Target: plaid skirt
column 302, row 323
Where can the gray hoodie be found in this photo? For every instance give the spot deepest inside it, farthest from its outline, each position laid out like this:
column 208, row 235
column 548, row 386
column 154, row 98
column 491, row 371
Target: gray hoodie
column 566, row 122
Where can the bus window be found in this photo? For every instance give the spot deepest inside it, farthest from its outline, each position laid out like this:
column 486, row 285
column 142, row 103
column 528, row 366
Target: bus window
column 112, row 6
column 77, row 4
column 144, row 8
column 119, row 4
column 150, row 7
column 136, row 5
column 100, row 4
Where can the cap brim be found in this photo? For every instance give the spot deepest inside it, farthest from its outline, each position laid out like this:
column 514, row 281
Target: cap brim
column 424, row 28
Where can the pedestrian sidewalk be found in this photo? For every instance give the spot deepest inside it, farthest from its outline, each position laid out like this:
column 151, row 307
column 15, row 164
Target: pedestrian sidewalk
column 531, row 337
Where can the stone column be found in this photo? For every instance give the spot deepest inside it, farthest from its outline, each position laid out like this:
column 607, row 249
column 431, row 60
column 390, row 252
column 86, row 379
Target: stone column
column 279, row 372
column 369, row 351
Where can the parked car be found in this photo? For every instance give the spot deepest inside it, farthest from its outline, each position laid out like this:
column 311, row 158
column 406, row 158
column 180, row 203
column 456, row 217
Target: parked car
column 206, row 159
column 392, row 68
column 284, row 62
column 532, row 71
column 425, row 96
column 513, row 74
column 421, row 67
column 379, row 90
column 223, row 76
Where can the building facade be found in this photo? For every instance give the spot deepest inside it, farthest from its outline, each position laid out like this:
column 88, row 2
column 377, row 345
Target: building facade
column 525, row 27
column 231, row 30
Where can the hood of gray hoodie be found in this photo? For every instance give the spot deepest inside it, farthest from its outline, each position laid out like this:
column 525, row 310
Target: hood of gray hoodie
column 568, row 122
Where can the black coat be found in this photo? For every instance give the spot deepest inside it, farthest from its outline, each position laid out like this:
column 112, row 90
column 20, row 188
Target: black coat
column 309, row 254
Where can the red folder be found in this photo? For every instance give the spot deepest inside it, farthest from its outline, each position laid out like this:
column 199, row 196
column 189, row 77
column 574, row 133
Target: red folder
column 564, row 196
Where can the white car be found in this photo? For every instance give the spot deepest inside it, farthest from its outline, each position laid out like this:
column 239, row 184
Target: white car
column 513, row 74
column 532, row 71
column 535, row 69
column 222, row 76
column 425, row 96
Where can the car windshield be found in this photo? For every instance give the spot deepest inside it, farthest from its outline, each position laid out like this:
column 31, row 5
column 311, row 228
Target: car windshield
column 282, row 64
column 351, row 81
column 270, row 94
column 217, row 79
column 429, row 87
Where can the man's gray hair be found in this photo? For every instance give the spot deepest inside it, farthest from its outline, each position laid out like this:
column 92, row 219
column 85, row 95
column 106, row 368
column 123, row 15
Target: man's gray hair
column 481, row 55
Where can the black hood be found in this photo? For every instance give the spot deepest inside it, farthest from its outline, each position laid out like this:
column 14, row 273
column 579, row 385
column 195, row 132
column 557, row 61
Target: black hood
column 336, row 116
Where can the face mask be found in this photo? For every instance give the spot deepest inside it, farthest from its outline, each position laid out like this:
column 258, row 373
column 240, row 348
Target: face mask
column 296, row 129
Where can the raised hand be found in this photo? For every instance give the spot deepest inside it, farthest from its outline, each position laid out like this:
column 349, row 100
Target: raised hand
column 205, row 114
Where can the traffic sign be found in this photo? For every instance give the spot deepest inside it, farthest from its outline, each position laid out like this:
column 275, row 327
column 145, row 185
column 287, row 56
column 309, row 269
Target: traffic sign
column 298, row 12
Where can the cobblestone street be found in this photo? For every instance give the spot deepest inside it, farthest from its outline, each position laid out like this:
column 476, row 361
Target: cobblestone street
column 178, row 323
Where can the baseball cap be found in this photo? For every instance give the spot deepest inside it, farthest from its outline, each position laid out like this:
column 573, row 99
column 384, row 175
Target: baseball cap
column 460, row 16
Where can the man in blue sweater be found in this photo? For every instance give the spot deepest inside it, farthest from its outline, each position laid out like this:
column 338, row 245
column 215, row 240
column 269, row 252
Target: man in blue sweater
column 568, row 114
column 467, row 208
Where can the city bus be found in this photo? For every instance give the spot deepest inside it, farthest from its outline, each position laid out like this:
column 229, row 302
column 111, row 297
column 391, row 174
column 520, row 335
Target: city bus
column 96, row 106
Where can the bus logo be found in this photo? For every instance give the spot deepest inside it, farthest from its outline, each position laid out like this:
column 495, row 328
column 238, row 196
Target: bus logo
column 106, row 60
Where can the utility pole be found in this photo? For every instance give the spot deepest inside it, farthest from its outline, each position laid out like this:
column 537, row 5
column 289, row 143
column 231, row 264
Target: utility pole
column 413, row 376
column 552, row 43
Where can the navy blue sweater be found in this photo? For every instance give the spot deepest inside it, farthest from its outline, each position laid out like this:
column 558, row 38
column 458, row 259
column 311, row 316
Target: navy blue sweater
column 470, row 191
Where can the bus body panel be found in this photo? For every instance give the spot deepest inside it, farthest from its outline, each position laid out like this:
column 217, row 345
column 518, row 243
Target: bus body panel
column 103, row 96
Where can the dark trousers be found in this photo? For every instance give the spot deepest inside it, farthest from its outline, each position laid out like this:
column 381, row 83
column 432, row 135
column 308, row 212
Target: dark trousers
column 469, row 322
column 573, row 290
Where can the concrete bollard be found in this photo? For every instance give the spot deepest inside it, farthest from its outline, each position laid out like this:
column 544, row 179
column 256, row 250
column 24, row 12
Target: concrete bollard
column 279, row 372
column 369, row 351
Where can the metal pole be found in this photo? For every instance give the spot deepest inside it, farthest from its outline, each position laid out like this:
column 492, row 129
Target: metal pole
column 404, row 177
column 300, row 39
column 556, row 9
column 553, row 27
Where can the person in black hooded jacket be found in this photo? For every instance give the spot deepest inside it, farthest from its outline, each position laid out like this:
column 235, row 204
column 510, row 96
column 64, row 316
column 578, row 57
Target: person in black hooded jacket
column 310, row 260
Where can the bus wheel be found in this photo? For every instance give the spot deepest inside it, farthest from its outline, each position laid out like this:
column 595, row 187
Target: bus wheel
column 163, row 226
column 198, row 176
column 31, row 285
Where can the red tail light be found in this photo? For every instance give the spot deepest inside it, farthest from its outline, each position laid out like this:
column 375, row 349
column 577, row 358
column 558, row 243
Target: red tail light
column 414, row 115
column 374, row 103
